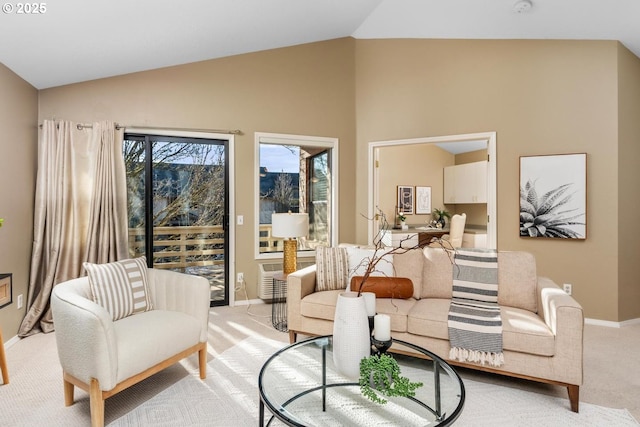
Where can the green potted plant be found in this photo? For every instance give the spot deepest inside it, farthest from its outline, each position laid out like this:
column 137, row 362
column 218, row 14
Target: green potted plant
column 381, row 374
column 402, row 218
column 440, row 215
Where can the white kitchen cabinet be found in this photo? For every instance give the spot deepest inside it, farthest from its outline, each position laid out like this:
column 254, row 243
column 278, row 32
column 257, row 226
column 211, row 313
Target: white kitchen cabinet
column 466, row 183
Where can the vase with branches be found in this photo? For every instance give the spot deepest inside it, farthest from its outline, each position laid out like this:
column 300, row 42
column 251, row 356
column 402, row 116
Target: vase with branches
column 351, row 330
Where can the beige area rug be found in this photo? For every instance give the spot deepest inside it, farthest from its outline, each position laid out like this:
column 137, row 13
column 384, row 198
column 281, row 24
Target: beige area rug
column 229, row 397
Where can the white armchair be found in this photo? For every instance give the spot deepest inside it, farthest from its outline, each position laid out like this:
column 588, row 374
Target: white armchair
column 104, row 357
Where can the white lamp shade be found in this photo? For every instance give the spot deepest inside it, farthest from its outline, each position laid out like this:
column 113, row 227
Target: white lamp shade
column 289, row 224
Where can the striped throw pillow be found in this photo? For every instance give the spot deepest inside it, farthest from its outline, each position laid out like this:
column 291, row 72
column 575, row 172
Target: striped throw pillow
column 332, row 268
column 121, row 287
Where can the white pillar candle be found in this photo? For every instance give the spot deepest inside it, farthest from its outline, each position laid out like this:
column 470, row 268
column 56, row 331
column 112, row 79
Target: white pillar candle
column 382, row 327
column 370, row 303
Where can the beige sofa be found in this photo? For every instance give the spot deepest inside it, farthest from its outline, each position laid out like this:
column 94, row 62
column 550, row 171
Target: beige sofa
column 542, row 325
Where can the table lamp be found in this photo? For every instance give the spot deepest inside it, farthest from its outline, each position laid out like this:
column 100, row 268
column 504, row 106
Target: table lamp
column 289, row 226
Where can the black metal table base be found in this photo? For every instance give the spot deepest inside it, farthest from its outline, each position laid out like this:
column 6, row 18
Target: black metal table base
column 279, row 303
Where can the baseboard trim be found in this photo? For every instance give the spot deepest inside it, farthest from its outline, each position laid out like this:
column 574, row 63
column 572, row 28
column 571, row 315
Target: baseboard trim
column 12, row 341
column 248, row 302
column 611, row 324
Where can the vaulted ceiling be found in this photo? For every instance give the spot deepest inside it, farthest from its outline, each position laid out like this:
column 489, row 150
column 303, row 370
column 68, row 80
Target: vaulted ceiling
column 77, row 40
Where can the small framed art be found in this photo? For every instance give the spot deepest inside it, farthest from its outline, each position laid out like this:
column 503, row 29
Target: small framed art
column 5, row 290
column 405, row 199
column 423, row 200
column 553, row 196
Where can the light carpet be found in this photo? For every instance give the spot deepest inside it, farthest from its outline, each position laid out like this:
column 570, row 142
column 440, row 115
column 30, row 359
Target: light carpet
column 229, row 397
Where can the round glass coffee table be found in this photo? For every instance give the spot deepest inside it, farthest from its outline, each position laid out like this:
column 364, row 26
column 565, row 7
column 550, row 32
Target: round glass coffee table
column 300, row 386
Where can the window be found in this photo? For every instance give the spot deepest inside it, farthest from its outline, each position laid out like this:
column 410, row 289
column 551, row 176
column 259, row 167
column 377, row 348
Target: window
column 297, row 174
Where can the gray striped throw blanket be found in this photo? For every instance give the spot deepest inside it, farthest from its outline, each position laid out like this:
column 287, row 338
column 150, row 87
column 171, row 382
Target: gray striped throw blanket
column 475, row 326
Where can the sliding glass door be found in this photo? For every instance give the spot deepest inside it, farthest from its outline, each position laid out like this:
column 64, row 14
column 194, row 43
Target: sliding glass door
column 178, row 206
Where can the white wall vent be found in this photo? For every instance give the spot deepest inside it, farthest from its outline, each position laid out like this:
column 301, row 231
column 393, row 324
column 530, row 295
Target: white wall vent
column 266, row 273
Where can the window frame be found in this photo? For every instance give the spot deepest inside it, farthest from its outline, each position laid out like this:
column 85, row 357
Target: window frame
column 299, row 140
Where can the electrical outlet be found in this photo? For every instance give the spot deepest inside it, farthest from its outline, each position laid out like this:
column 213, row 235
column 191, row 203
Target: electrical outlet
column 20, row 301
column 240, row 278
column 567, row 288
column 240, row 220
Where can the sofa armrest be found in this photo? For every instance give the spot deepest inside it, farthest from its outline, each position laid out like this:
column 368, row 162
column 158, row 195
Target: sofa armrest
column 85, row 336
column 181, row 292
column 555, row 303
column 299, row 284
column 565, row 318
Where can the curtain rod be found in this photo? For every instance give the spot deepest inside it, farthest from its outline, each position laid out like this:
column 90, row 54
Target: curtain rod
column 81, row 126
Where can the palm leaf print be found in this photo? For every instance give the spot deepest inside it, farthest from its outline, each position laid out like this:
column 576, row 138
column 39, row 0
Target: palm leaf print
column 542, row 216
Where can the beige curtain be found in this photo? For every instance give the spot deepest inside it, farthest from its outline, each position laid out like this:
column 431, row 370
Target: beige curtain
column 80, row 210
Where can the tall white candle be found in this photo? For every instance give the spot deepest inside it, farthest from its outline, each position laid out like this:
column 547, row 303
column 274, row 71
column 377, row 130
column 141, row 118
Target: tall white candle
column 382, row 327
column 370, row 303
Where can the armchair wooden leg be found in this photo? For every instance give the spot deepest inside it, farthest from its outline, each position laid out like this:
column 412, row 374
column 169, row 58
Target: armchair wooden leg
column 202, row 359
column 574, row 397
column 292, row 337
column 68, row 393
column 96, row 403
column 3, row 361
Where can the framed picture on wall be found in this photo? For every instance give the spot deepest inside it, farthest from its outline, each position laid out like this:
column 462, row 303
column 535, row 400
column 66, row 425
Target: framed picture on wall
column 405, row 199
column 553, row 196
column 6, row 292
column 423, row 200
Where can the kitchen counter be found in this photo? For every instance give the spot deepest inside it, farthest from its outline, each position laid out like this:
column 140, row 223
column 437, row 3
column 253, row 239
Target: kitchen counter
column 474, row 235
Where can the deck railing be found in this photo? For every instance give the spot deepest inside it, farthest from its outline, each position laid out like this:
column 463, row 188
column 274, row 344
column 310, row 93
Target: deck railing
column 180, row 247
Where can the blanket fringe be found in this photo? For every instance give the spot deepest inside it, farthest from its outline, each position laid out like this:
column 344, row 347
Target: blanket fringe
column 475, row 356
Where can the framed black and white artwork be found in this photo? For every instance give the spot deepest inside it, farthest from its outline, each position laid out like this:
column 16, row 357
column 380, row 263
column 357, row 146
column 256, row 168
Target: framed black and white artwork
column 405, row 199
column 553, row 196
column 423, row 200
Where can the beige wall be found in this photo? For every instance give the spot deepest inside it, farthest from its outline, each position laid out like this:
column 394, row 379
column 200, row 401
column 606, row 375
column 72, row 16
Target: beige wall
column 541, row 97
column 18, row 157
column 304, row 90
column 626, row 226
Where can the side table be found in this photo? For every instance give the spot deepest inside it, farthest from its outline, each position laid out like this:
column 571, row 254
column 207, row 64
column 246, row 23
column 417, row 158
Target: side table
column 279, row 302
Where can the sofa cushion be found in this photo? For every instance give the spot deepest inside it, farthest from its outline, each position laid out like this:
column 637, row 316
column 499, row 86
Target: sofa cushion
column 149, row 338
column 409, row 264
column 385, row 287
column 332, row 268
column 428, row 317
column 437, row 276
column 525, row 332
column 517, row 280
column 120, row 287
column 522, row 330
column 397, row 310
column 359, row 259
column 320, row 305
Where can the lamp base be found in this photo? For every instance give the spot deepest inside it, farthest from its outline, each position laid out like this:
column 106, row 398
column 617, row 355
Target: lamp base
column 290, row 256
